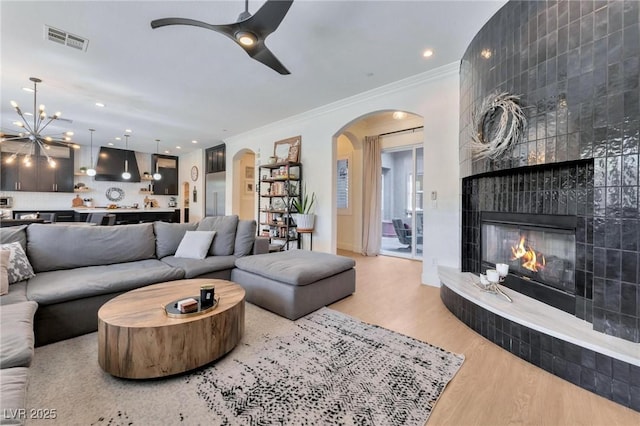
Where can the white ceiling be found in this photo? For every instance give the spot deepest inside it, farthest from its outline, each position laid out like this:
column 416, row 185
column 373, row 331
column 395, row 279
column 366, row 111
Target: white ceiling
column 182, row 83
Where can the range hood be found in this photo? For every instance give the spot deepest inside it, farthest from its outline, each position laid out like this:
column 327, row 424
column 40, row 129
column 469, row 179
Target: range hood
column 110, row 165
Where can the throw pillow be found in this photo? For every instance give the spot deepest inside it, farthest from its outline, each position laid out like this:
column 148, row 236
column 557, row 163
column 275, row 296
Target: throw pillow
column 4, row 276
column 18, row 267
column 195, row 244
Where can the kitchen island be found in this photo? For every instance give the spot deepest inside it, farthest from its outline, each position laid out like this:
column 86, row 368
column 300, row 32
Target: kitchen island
column 130, row 215
column 123, row 215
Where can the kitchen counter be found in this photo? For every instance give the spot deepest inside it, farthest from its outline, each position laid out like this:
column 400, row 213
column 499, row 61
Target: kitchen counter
column 123, row 210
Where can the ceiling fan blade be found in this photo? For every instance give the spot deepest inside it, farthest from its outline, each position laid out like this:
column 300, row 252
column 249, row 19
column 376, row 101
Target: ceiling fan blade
column 225, row 29
column 268, row 18
column 265, row 21
column 262, row 54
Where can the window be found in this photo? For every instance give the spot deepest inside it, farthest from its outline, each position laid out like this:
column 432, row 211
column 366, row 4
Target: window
column 344, row 207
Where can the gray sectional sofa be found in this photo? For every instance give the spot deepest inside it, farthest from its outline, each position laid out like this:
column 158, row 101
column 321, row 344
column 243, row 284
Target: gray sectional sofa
column 77, row 269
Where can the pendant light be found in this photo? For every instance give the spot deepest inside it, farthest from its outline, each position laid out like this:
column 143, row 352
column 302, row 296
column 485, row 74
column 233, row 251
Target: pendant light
column 91, row 171
column 157, row 175
column 126, row 175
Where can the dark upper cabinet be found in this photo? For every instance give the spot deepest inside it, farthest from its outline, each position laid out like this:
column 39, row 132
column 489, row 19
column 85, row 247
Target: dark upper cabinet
column 37, row 175
column 60, row 177
column 216, row 159
column 167, row 166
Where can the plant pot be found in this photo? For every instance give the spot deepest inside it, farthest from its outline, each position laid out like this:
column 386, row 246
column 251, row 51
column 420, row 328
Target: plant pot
column 305, row 222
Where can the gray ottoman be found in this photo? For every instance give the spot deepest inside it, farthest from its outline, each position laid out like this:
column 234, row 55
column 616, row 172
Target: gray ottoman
column 296, row 282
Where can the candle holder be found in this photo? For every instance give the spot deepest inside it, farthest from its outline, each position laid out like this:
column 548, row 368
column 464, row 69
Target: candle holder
column 489, row 282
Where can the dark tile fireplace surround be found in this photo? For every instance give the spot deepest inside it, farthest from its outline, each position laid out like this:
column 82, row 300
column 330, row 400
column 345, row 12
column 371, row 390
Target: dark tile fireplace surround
column 576, row 66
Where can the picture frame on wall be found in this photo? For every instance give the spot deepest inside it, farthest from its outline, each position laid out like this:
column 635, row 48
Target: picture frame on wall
column 287, row 149
column 249, row 187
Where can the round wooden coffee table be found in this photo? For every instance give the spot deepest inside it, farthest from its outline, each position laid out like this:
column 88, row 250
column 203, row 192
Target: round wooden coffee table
column 137, row 340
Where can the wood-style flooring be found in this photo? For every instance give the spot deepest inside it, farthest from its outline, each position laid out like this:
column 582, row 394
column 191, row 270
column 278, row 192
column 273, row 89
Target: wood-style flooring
column 493, row 387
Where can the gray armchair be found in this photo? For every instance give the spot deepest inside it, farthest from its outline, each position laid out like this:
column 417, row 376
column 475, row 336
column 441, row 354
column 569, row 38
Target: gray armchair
column 403, row 231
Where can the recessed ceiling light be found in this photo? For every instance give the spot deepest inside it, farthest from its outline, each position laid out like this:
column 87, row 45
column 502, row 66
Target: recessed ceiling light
column 486, row 53
column 166, row 151
column 127, row 130
column 427, row 53
column 118, row 138
column 110, row 143
column 194, row 141
column 178, row 147
column 399, row 115
column 100, row 104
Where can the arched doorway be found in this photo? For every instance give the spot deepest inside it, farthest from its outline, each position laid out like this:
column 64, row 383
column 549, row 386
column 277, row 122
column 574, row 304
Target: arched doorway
column 401, row 196
column 244, row 178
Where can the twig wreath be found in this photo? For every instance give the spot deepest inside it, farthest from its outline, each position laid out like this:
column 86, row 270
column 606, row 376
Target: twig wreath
column 498, row 124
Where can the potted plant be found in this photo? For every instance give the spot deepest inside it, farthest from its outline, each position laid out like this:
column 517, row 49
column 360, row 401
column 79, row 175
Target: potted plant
column 302, row 207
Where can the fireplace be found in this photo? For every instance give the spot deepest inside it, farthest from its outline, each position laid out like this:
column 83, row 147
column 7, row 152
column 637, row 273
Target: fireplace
column 540, row 250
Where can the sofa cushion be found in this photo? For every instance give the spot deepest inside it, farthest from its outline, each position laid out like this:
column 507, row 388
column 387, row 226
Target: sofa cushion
column 13, row 388
column 4, row 274
column 225, row 227
column 17, row 293
column 195, row 244
column 245, row 237
column 68, row 246
column 51, row 287
column 169, row 235
column 295, row 267
column 18, row 267
column 16, row 331
column 196, row 267
column 14, row 234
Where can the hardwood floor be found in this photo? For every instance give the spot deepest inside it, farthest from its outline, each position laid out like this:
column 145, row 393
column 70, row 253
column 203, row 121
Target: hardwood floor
column 493, row 387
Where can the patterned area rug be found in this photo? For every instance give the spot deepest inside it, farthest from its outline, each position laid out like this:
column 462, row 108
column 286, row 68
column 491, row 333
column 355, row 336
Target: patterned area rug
column 325, row 368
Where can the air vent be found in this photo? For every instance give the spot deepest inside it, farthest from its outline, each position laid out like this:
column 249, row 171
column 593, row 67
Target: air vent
column 63, row 37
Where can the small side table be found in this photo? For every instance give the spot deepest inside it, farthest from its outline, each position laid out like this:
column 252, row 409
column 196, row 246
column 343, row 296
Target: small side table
column 307, row 231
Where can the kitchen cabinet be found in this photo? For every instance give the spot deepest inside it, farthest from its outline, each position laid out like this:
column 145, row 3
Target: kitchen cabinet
column 216, row 159
column 167, row 166
column 60, row 177
column 15, row 174
column 38, row 175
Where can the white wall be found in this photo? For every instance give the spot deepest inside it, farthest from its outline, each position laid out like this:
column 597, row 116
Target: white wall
column 433, row 95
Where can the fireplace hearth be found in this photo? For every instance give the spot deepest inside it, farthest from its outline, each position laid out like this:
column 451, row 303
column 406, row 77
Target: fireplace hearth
column 540, row 250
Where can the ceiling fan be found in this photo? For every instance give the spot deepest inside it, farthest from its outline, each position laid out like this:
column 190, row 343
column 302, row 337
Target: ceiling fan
column 249, row 31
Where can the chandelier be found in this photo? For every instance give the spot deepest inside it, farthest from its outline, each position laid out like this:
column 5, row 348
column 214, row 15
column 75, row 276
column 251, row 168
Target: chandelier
column 32, row 132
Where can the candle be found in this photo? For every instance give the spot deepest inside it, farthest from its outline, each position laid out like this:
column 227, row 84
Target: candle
column 503, row 269
column 493, row 276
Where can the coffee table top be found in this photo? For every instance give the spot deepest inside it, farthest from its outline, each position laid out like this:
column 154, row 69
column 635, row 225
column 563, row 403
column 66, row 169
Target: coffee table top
column 144, row 307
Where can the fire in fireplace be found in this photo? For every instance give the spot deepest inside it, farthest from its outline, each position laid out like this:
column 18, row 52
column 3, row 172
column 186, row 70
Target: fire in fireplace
column 540, row 251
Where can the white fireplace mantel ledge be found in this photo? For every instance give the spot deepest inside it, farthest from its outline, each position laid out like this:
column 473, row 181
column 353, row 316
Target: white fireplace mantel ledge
column 539, row 316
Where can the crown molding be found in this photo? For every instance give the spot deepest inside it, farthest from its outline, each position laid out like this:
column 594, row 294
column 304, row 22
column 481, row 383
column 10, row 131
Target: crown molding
column 382, row 91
